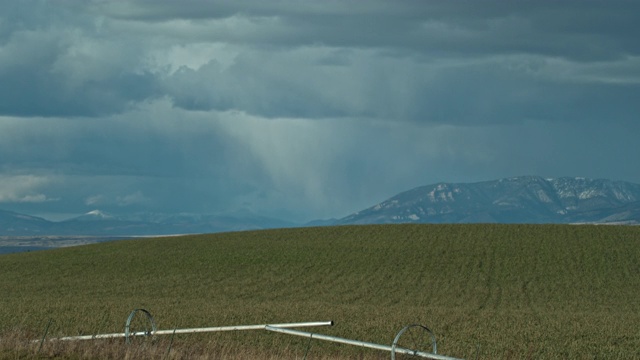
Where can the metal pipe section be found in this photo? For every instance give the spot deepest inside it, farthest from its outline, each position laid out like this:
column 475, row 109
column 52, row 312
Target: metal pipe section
column 198, row 330
column 360, row 343
column 243, row 327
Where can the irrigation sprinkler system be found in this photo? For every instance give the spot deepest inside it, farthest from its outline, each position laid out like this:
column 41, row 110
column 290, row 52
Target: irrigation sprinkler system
column 420, row 337
column 128, row 334
column 394, row 348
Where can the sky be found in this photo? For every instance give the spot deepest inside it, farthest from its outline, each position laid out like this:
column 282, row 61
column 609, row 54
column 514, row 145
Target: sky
column 301, row 109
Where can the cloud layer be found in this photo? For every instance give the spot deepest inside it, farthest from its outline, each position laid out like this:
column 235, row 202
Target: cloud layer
column 304, row 109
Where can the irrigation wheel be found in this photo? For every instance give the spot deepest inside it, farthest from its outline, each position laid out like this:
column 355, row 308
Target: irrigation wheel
column 130, row 331
column 415, row 338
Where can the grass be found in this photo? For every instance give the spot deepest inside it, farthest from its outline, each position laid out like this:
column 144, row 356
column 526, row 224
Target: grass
column 487, row 291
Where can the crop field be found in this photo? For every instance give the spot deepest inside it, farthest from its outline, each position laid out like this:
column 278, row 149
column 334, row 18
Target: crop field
column 486, row 291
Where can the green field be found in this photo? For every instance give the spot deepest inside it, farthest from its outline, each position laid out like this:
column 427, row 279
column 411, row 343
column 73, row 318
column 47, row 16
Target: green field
column 487, row 292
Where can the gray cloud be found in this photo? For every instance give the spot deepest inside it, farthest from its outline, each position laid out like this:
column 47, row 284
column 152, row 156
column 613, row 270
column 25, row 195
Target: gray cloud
column 305, row 109
column 98, row 59
column 466, row 92
column 57, row 62
column 595, row 31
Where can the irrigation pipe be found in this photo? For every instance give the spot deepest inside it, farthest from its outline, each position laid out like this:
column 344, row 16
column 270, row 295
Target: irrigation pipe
column 359, row 343
column 198, row 330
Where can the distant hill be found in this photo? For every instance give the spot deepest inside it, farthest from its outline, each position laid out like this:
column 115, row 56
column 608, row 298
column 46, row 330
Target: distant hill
column 525, row 199
column 98, row 223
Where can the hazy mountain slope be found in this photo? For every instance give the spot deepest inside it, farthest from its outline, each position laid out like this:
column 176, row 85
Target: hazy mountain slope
column 12, row 223
column 97, row 223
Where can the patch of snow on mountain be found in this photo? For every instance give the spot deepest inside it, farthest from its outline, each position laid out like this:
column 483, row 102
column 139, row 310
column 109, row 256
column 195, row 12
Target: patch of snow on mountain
column 99, row 214
column 588, row 194
column 623, row 195
column 432, row 195
column 566, row 194
column 441, row 196
column 542, row 195
column 386, row 205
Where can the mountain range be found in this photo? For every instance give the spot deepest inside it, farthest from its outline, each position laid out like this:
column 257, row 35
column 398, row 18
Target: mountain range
column 524, row 199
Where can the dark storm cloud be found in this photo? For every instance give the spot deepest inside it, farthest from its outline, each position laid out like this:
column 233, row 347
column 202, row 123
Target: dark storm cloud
column 585, row 30
column 270, row 85
column 132, row 145
column 56, row 62
column 492, row 90
column 92, row 59
column 306, row 109
column 496, row 93
column 34, row 91
column 458, row 62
